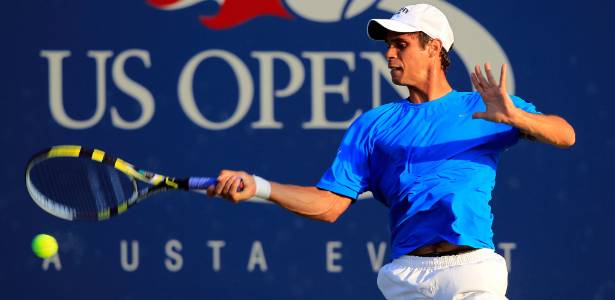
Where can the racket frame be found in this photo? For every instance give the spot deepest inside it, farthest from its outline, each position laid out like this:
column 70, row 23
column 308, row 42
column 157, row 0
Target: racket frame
column 158, row 183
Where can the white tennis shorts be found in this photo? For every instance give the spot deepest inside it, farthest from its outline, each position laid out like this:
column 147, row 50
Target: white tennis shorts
column 476, row 275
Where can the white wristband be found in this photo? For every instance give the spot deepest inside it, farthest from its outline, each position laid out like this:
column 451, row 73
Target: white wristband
column 263, row 187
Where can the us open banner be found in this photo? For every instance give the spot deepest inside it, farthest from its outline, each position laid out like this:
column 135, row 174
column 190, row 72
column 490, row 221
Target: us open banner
column 190, row 87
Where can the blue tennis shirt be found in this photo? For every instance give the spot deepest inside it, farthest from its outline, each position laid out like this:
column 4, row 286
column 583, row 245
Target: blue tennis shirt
column 431, row 164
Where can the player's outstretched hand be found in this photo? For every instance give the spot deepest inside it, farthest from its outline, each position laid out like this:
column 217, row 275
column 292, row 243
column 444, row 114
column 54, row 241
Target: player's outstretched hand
column 500, row 107
column 235, row 186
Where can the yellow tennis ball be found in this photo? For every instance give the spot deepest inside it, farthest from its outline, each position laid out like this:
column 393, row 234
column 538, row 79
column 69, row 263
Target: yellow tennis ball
column 44, row 246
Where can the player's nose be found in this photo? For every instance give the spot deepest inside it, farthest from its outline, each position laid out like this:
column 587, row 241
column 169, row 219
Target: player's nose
column 390, row 53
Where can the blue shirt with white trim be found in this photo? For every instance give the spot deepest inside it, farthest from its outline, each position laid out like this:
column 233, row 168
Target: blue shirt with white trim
column 431, row 164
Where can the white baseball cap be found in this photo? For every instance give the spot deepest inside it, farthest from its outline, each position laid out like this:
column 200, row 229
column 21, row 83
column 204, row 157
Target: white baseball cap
column 414, row 18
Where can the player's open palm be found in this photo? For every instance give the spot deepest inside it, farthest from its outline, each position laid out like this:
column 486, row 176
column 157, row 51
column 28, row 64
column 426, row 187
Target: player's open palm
column 500, row 107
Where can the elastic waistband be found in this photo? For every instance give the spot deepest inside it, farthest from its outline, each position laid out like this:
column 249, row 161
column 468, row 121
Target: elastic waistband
column 444, row 261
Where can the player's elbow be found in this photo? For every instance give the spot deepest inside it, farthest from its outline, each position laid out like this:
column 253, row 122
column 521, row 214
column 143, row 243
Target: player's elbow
column 568, row 143
column 338, row 205
column 572, row 138
column 567, row 135
column 568, row 140
column 330, row 216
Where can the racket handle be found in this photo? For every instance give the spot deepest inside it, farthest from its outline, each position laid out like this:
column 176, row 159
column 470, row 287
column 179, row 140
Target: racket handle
column 201, row 183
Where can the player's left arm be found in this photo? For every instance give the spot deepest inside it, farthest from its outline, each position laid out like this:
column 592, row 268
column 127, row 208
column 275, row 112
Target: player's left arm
column 549, row 129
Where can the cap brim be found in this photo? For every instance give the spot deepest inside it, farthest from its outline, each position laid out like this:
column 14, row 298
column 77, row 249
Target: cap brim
column 377, row 29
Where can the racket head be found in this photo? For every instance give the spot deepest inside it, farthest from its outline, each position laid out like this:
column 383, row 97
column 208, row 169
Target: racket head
column 75, row 183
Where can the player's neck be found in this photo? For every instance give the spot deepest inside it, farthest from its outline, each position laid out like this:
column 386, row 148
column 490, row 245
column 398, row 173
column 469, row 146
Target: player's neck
column 433, row 88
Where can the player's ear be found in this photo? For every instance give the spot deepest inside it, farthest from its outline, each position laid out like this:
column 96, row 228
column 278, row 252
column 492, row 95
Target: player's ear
column 434, row 47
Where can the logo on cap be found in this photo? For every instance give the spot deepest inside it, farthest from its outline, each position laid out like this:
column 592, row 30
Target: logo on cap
column 402, row 10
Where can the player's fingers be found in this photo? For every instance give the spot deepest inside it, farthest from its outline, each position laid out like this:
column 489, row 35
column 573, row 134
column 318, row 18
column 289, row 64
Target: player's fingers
column 227, row 185
column 235, row 192
column 479, row 115
column 218, row 188
column 481, row 77
column 211, row 190
column 478, row 74
column 225, row 172
column 490, row 78
column 503, row 77
column 222, row 178
column 223, row 175
column 220, row 185
column 475, row 82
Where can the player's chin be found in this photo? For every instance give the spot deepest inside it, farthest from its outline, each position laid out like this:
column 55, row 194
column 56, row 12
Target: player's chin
column 396, row 80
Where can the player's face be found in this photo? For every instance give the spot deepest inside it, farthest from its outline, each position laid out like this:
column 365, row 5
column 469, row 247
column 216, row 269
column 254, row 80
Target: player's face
column 408, row 61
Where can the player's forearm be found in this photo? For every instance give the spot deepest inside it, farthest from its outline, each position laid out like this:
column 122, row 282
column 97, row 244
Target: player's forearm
column 309, row 202
column 545, row 128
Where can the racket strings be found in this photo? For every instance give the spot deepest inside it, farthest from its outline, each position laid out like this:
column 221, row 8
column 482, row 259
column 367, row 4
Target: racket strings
column 79, row 188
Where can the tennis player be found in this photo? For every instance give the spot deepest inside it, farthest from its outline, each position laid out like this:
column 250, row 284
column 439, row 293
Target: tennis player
column 431, row 158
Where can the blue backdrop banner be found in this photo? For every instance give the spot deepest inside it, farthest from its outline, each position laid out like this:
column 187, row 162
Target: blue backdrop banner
column 190, row 87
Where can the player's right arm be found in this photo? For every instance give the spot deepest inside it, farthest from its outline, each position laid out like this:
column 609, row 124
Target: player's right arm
column 306, row 201
column 345, row 180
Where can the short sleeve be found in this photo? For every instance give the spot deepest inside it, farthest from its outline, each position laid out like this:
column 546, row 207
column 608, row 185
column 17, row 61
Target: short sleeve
column 348, row 174
column 524, row 105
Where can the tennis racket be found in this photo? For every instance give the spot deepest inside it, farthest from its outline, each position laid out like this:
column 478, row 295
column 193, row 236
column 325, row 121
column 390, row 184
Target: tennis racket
column 75, row 183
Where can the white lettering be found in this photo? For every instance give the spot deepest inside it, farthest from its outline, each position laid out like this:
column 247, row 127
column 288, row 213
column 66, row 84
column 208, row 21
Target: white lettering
column 297, row 76
column 56, row 102
column 55, row 260
column 174, row 260
column 129, row 266
column 320, row 89
column 508, row 247
column 243, row 79
column 257, row 257
column 376, row 260
column 132, row 88
column 332, row 256
column 215, row 250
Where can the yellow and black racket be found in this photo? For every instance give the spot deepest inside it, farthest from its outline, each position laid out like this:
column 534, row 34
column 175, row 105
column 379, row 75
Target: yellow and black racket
column 75, row 183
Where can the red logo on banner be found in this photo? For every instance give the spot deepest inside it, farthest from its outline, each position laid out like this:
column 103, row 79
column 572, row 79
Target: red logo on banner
column 232, row 12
